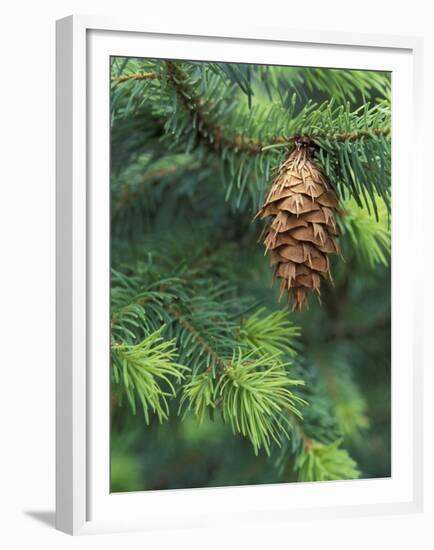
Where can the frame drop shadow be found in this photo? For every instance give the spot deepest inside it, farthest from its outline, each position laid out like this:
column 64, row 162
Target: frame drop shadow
column 47, row 517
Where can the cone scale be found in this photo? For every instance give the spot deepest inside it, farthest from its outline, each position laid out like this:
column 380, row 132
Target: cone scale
column 301, row 234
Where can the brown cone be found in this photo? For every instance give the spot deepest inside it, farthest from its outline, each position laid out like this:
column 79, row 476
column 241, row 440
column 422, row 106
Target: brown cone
column 301, row 235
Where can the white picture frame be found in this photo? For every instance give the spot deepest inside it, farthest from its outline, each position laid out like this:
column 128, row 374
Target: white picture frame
column 83, row 501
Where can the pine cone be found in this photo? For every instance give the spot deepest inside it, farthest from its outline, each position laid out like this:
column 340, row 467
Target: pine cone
column 301, row 234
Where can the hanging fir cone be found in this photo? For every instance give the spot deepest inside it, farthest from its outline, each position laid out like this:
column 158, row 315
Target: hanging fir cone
column 301, row 234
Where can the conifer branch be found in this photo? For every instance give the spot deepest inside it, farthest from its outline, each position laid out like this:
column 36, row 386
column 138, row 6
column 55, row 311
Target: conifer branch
column 128, row 193
column 336, row 137
column 198, row 337
column 216, row 137
column 136, row 76
column 148, row 370
column 326, row 463
column 355, row 136
column 298, row 428
column 140, row 301
column 116, row 317
column 223, row 138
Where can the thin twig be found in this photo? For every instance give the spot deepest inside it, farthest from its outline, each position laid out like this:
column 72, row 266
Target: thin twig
column 307, row 441
column 198, row 337
column 129, row 193
column 136, row 76
column 215, row 136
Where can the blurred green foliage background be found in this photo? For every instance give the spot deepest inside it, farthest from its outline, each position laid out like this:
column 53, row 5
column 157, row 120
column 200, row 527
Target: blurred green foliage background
column 171, row 210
